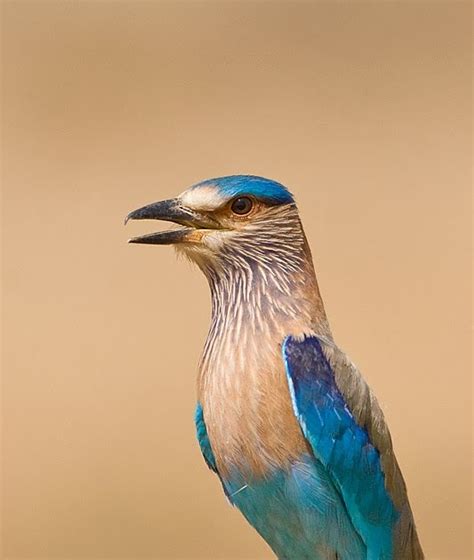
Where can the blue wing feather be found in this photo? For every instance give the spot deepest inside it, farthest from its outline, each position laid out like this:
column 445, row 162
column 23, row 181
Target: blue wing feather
column 342, row 446
column 203, row 439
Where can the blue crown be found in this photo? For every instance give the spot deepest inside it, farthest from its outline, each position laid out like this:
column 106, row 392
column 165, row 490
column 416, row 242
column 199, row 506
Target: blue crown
column 259, row 187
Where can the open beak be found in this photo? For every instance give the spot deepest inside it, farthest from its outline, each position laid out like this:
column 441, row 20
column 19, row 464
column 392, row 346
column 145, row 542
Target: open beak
column 172, row 211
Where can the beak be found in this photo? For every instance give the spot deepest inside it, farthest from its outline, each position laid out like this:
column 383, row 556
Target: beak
column 172, row 211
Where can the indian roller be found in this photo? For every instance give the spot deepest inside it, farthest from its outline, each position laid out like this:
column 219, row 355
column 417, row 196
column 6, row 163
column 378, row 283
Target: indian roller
column 284, row 418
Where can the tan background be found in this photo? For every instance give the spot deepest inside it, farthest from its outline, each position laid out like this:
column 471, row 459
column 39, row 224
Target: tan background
column 362, row 109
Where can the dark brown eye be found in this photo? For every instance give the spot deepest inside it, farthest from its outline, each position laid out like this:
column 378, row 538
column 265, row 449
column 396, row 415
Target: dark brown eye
column 242, row 205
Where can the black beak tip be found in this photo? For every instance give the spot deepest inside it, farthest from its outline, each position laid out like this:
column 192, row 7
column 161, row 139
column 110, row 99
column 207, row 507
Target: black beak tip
column 133, row 215
column 137, row 240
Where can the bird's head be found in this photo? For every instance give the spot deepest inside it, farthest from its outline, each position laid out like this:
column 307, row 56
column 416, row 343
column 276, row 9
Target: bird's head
column 245, row 234
column 224, row 221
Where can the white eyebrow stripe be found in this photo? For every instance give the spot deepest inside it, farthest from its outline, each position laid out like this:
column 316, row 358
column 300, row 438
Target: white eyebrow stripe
column 203, row 198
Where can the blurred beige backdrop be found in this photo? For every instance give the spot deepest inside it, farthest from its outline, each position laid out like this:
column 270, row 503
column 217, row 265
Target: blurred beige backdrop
column 362, row 109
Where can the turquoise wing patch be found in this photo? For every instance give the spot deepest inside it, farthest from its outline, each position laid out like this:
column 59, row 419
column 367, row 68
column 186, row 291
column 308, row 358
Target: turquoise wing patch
column 203, row 439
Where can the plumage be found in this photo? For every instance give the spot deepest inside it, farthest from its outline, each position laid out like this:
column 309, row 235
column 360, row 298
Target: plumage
column 284, row 419
column 342, row 446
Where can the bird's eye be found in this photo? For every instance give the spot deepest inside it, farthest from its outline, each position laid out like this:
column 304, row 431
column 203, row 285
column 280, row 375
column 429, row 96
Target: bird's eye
column 242, row 205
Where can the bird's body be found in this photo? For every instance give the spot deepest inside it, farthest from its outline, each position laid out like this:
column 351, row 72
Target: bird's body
column 283, row 417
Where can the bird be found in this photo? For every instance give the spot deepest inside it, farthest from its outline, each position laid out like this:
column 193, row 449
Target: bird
column 283, row 417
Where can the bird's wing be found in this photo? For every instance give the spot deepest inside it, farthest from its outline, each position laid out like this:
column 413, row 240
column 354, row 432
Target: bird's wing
column 203, row 439
column 345, row 427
